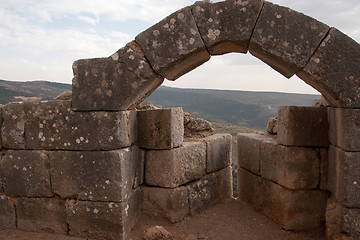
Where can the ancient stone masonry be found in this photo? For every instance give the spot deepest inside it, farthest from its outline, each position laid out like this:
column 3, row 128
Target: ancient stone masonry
column 89, row 166
column 59, row 176
column 281, row 177
column 185, row 178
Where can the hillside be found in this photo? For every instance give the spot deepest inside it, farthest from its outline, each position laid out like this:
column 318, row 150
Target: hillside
column 240, row 108
column 36, row 90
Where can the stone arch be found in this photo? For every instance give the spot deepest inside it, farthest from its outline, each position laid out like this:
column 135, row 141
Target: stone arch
column 288, row 41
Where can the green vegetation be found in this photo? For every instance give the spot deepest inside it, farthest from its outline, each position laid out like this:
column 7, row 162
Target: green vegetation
column 239, row 108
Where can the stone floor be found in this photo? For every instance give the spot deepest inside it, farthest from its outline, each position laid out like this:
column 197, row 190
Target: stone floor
column 233, row 220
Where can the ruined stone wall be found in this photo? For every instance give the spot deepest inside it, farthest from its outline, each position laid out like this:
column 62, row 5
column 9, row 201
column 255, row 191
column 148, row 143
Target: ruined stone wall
column 56, row 144
column 82, row 173
column 285, row 176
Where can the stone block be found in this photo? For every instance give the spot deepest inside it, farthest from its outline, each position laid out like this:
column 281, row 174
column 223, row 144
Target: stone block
column 169, row 203
column 250, row 188
column 224, row 183
column 341, row 222
column 340, row 84
column 324, row 168
column 344, row 128
column 54, row 125
column 209, row 190
column 119, row 82
column 249, row 150
column 26, row 174
column 13, row 126
column 291, row 167
column 226, row 26
column 1, row 117
column 344, row 176
column 179, row 33
column 7, row 212
column 285, row 39
column 218, row 152
column 294, row 209
column 175, row 167
column 107, row 176
column 41, row 215
column 302, row 126
column 291, row 209
column 160, row 128
column 203, row 193
column 104, row 220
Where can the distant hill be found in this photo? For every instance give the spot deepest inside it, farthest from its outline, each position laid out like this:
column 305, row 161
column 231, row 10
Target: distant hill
column 38, row 90
column 241, row 108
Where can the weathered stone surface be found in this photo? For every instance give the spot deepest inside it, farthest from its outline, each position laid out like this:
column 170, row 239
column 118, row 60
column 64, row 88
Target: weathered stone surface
column 291, row 167
column 160, row 128
column 203, row 193
column 96, row 176
column 104, row 220
column 285, row 39
column 210, row 189
column 224, row 183
column 344, row 176
column 1, row 117
column 196, row 127
column 218, row 152
column 7, row 212
column 26, row 174
column 53, row 125
column 248, row 151
column 157, row 233
column 226, row 26
column 334, row 70
column 351, row 223
column 172, row 168
column 324, row 168
column 272, row 126
column 41, row 214
column 342, row 223
column 118, row 82
column 179, row 33
column 344, row 128
column 13, row 126
column 292, row 210
column 171, row 204
column 250, row 188
column 302, row 126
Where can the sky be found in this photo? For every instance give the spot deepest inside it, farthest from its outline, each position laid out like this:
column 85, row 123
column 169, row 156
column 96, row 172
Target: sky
column 40, row 39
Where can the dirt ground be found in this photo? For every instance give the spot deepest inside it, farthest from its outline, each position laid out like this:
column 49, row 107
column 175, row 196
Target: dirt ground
column 233, row 220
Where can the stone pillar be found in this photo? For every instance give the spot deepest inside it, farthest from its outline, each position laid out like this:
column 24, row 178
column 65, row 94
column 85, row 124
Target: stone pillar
column 343, row 210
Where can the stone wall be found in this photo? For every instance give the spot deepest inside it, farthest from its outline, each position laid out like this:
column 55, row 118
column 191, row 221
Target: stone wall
column 78, row 167
column 285, row 176
column 82, row 173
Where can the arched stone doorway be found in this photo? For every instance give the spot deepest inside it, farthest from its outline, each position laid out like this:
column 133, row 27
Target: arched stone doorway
column 288, row 41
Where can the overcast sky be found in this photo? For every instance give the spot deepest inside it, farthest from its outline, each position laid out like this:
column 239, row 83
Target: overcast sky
column 40, row 39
